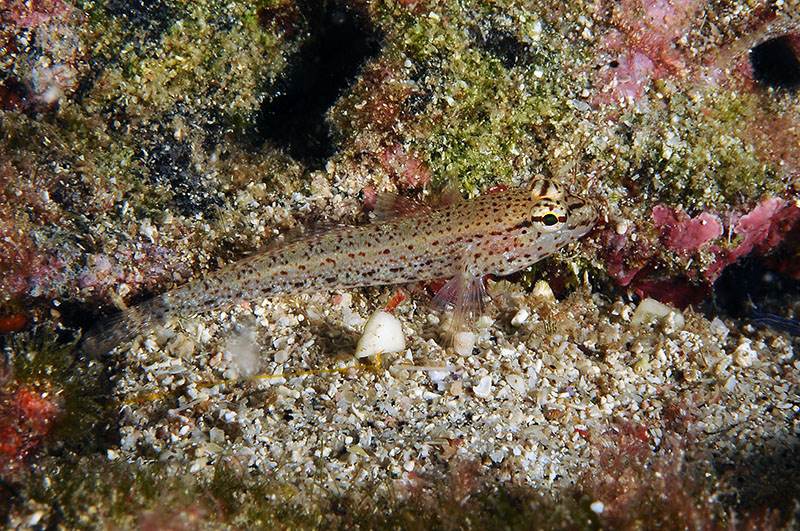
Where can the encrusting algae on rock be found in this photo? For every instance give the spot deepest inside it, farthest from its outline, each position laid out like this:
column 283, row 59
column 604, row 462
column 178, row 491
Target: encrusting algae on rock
column 497, row 233
column 138, row 154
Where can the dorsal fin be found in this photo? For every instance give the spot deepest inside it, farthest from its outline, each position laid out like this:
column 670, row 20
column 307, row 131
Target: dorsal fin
column 449, row 194
column 390, row 206
column 298, row 233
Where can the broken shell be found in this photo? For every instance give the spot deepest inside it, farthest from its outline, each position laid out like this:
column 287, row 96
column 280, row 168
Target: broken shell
column 383, row 334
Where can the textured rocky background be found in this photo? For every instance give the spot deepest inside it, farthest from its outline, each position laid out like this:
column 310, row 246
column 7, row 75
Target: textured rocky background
column 146, row 143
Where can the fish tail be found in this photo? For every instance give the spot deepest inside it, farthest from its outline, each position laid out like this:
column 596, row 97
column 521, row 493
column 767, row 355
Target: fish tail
column 120, row 328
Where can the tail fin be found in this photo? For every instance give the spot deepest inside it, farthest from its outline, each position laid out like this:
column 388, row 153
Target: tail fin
column 126, row 325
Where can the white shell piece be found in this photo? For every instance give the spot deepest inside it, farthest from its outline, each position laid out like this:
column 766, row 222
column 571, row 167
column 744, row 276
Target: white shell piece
column 383, row 334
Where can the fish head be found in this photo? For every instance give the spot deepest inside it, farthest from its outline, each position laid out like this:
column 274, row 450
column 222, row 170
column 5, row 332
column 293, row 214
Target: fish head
column 545, row 218
column 557, row 215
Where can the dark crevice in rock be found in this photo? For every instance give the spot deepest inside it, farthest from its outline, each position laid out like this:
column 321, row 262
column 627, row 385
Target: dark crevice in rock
column 339, row 40
column 776, row 62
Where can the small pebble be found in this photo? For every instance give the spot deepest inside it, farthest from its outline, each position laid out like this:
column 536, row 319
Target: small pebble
column 542, row 290
column 744, row 355
column 517, row 383
column 484, row 387
column 597, row 507
column 216, row 436
column 521, row 316
column 463, row 343
column 650, row 309
column 244, row 353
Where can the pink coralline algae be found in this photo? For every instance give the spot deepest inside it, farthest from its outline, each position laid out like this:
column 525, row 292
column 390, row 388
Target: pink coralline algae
column 641, row 268
column 410, row 170
column 624, row 257
column 684, row 234
column 643, row 45
column 760, row 230
column 26, row 418
column 629, row 78
column 29, row 14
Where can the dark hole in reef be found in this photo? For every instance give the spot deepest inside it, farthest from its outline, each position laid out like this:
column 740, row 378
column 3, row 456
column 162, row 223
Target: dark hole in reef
column 776, row 62
column 753, row 284
column 340, row 39
column 153, row 15
column 12, row 93
column 509, row 50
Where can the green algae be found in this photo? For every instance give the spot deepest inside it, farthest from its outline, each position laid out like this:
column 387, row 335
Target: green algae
column 464, row 136
column 690, row 153
column 209, row 55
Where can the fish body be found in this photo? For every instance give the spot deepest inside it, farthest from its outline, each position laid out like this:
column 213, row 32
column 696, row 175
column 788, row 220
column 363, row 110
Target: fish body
column 497, row 233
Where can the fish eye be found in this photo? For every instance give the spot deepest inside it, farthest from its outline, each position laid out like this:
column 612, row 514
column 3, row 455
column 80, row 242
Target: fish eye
column 549, row 216
column 549, row 219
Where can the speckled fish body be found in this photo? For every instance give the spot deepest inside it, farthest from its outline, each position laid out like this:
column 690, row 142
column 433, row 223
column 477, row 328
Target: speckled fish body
column 496, row 233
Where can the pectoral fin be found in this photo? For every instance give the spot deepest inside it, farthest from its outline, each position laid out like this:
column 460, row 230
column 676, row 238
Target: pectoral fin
column 466, row 295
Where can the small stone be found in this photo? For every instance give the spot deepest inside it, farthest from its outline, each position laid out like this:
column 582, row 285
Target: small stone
column 35, row 518
column 216, row 436
column 484, row 322
column 597, row 507
column 463, row 342
column 357, row 450
column 744, row 355
column 243, row 351
column 281, row 356
column 521, row 316
column 383, row 334
column 650, row 309
column 517, row 383
column 719, row 329
column 181, row 346
column 542, row 290
column 691, row 375
column 484, row 387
